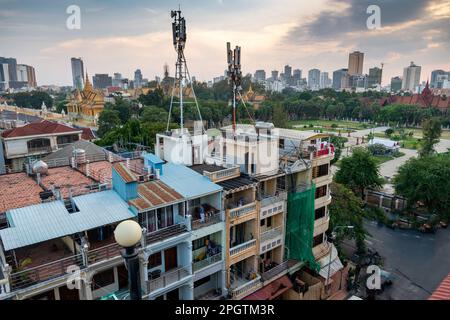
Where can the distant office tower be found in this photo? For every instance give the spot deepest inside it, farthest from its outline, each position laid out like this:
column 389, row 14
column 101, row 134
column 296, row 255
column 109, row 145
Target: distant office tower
column 260, row 75
column 297, row 76
column 117, row 79
column 31, row 75
column 325, row 81
column 375, row 76
column 442, row 80
column 396, row 84
column 355, row 63
column 435, row 76
column 12, row 72
column 359, row 81
column 340, row 79
column 22, row 75
column 287, row 73
column 102, row 81
column 4, row 76
column 411, row 77
column 314, row 79
column 138, row 79
column 77, row 73
column 274, row 75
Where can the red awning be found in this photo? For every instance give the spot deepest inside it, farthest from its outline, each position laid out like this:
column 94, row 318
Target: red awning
column 272, row 290
column 443, row 291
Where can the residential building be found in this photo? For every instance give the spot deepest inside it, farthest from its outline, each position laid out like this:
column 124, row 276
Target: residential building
column 396, row 84
column 31, row 76
column 340, row 79
column 77, row 73
column 434, row 82
column 102, row 81
column 325, row 81
column 411, row 77
column 314, row 79
column 35, row 140
column 375, row 76
column 355, row 63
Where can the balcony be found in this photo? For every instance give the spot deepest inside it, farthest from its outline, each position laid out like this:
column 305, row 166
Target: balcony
column 168, row 278
column 312, row 152
column 242, row 210
column 270, row 239
column 275, row 272
column 244, row 287
column 267, row 200
column 243, row 247
column 224, row 174
column 103, row 253
column 165, row 233
column 321, row 250
column 210, row 219
column 272, row 205
column 199, row 265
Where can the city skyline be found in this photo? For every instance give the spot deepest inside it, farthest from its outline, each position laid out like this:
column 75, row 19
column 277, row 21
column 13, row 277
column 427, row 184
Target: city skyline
column 122, row 38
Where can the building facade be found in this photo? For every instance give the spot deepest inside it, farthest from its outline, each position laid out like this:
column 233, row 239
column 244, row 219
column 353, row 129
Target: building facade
column 77, row 73
column 411, row 77
column 355, row 63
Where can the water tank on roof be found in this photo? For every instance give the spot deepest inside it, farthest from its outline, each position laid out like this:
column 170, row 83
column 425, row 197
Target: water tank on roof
column 40, row 167
column 79, row 155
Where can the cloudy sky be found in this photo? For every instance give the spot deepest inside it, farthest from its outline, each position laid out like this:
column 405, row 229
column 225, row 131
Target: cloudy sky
column 121, row 36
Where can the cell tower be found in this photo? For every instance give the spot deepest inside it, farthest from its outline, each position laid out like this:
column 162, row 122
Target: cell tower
column 181, row 69
column 234, row 74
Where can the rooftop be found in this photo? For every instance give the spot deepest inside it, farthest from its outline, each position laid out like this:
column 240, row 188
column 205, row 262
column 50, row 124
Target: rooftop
column 155, row 194
column 46, row 221
column 91, row 149
column 237, row 184
column 39, row 128
column 200, row 168
column 18, row 190
column 66, row 178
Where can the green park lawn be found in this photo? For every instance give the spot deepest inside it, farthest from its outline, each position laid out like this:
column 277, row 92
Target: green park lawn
column 329, row 125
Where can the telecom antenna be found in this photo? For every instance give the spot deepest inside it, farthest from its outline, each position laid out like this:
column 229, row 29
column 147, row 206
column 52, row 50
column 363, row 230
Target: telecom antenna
column 181, row 70
column 234, row 74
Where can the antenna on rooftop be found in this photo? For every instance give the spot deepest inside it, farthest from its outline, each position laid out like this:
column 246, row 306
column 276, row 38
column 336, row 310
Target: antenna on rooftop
column 234, row 74
column 181, row 69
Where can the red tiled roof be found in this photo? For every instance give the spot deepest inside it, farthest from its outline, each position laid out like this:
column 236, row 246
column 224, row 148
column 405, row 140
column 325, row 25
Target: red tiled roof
column 153, row 194
column 443, row 291
column 87, row 134
column 67, row 178
column 18, row 190
column 124, row 172
column 37, row 128
column 272, row 290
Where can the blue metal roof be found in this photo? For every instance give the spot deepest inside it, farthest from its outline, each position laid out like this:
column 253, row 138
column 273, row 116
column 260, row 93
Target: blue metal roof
column 151, row 157
column 187, row 182
column 46, row 221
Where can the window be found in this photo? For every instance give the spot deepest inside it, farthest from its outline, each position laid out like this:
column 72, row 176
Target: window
column 38, row 144
column 199, row 243
column 154, row 260
column 318, row 240
column 321, row 191
column 320, row 213
column 67, row 139
column 102, row 279
column 321, row 171
column 263, row 222
column 269, row 222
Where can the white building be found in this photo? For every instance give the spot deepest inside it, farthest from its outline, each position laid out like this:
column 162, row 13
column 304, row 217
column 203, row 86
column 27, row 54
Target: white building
column 411, row 77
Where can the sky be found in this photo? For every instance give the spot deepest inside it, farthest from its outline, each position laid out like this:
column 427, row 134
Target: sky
column 122, row 36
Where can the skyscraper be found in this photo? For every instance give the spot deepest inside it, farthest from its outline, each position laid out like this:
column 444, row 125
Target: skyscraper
column 31, row 75
column 325, row 81
column 77, row 73
column 288, row 74
column 375, row 76
column 434, row 77
column 260, row 75
column 297, row 76
column 396, row 84
column 274, row 75
column 4, row 76
column 339, row 77
column 137, row 79
column 314, row 79
column 355, row 63
column 411, row 77
column 102, row 81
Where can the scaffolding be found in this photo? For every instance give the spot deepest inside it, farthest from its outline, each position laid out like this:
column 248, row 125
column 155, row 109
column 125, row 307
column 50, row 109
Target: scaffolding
column 300, row 225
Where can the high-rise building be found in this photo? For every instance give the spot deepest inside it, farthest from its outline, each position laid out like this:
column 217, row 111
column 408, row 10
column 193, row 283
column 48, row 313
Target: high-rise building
column 375, row 76
column 31, row 75
column 12, row 67
column 411, row 77
column 314, row 79
column 339, row 79
column 77, row 73
column 117, row 79
column 274, row 75
column 287, row 75
column 355, row 63
column 260, row 75
column 102, row 81
column 297, row 76
column 138, row 79
column 4, row 76
column 396, row 84
column 325, row 81
column 438, row 77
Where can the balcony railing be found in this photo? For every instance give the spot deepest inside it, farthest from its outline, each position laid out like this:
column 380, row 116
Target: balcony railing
column 165, row 233
column 168, row 278
column 31, row 276
column 103, row 253
column 280, row 269
column 267, row 200
column 246, row 288
column 40, row 149
column 196, row 266
column 242, row 247
column 207, row 221
column 224, row 174
column 271, row 234
column 243, row 210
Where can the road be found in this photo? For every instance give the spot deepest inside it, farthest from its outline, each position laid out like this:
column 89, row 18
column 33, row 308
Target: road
column 419, row 262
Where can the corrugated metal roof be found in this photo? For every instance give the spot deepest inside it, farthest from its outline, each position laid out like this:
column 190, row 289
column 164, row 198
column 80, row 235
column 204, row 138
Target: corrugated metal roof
column 51, row 220
column 443, row 291
column 187, row 182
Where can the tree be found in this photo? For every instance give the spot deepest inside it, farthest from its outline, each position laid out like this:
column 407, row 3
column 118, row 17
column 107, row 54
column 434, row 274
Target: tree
column 339, row 144
column 108, row 120
column 155, row 98
column 153, row 114
column 431, row 133
column 359, row 171
column 346, row 209
column 279, row 117
column 426, row 180
column 377, row 149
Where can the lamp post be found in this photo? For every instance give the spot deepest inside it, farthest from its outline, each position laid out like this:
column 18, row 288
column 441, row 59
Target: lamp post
column 127, row 234
column 333, row 233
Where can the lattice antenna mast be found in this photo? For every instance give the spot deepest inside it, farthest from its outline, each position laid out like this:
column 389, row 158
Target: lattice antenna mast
column 181, row 69
column 234, row 74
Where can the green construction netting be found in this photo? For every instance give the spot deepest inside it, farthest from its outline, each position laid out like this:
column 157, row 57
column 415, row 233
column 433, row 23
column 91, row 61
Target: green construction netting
column 300, row 226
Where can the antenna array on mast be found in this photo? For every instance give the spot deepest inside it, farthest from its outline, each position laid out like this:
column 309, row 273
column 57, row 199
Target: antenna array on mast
column 234, row 74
